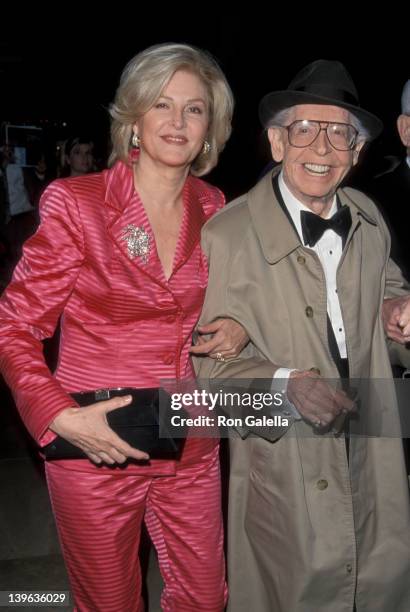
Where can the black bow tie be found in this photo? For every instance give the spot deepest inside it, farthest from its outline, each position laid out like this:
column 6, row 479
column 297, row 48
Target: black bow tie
column 314, row 226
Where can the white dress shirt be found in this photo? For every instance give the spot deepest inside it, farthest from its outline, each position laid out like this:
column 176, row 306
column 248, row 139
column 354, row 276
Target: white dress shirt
column 329, row 250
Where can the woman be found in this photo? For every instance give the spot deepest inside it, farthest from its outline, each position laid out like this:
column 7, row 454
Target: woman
column 118, row 254
column 78, row 156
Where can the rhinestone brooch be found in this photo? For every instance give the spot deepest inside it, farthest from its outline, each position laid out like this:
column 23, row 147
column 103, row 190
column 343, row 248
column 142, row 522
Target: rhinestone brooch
column 138, row 242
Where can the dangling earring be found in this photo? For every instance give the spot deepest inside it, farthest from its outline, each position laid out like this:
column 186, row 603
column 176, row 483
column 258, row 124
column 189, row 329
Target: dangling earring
column 134, row 152
column 206, row 148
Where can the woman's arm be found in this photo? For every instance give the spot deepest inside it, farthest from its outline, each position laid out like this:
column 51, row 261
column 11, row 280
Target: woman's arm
column 30, row 308
column 228, row 339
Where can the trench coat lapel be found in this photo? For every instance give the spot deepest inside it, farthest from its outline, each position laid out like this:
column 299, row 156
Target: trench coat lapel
column 357, row 211
column 270, row 221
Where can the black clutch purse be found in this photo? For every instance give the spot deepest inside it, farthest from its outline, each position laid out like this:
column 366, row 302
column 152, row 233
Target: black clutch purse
column 137, row 423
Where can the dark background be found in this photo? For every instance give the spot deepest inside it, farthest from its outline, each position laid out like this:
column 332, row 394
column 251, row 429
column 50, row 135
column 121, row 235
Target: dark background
column 63, row 68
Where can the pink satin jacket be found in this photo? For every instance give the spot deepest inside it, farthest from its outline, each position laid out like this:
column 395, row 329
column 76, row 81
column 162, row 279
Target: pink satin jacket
column 123, row 323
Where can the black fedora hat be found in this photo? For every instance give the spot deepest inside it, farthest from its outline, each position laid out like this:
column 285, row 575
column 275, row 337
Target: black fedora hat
column 321, row 82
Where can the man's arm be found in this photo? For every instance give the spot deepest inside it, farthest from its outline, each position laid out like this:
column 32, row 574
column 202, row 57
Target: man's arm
column 396, row 315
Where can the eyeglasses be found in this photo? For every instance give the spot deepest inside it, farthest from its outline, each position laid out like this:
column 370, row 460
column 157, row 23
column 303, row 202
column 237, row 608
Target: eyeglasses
column 303, row 133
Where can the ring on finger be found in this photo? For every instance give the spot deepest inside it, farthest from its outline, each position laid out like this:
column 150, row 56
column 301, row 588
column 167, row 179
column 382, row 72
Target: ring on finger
column 220, row 357
column 317, row 423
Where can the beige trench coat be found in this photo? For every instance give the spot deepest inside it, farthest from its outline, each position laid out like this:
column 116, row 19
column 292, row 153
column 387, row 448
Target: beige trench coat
column 308, row 533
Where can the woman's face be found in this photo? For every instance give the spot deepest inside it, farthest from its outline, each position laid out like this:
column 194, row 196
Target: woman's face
column 81, row 159
column 173, row 131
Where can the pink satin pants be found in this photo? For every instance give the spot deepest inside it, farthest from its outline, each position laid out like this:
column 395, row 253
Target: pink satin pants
column 99, row 518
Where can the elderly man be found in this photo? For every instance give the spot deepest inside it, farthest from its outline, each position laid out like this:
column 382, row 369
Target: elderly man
column 392, row 189
column 304, row 266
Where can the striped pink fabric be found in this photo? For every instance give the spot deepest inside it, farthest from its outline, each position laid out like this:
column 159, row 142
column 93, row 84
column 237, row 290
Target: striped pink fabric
column 123, row 324
column 183, row 516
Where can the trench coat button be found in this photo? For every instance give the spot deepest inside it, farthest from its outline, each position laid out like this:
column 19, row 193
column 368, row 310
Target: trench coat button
column 301, row 260
column 349, row 568
column 309, row 311
column 322, row 484
column 169, row 359
column 315, row 371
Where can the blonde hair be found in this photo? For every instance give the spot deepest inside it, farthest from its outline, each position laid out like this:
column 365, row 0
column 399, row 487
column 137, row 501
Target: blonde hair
column 143, row 81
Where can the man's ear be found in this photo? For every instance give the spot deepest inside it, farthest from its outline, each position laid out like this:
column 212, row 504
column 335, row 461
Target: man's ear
column 356, row 151
column 277, row 143
column 403, row 127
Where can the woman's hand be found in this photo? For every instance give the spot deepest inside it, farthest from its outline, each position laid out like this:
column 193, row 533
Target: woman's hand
column 228, row 339
column 88, row 429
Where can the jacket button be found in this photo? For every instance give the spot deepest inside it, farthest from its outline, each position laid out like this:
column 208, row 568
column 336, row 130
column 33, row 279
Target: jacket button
column 322, row 484
column 301, row 260
column 170, row 319
column 309, row 311
column 315, row 371
column 168, row 359
column 349, row 568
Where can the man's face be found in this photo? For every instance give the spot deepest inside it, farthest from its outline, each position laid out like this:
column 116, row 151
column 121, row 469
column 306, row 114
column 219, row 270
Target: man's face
column 403, row 126
column 313, row 173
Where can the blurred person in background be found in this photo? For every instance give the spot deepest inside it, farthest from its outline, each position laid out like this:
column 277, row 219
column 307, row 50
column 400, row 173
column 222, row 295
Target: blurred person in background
column 78, row 156
column 392, row 190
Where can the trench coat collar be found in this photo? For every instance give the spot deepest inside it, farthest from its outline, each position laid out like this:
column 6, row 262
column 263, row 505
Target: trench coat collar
column 124, row 209
column 276, row 235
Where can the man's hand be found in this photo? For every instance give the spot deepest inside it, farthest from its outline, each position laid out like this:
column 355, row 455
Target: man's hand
column 88, row 429
column 316, row 400
column 396, row 318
